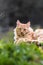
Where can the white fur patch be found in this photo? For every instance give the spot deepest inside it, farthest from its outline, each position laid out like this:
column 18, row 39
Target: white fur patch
column 15, row 35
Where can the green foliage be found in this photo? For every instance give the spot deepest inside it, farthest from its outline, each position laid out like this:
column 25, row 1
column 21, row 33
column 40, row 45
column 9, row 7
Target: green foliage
column 21, row 54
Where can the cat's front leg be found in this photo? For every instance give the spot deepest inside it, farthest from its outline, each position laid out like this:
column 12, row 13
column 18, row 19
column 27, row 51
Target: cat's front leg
column 20, row 40
column 23, row 40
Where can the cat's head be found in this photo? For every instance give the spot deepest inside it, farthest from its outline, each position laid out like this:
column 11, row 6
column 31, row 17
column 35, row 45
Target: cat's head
column 22, row 28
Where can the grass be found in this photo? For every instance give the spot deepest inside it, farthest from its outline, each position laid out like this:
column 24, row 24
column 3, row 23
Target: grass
column 21, row 54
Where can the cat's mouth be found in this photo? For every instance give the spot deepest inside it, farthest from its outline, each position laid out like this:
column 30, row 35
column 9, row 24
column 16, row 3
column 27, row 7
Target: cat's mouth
column 21, row 35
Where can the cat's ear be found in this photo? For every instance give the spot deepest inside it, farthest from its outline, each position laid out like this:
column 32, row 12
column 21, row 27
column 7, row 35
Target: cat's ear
column 28, row 24
column 18, row 23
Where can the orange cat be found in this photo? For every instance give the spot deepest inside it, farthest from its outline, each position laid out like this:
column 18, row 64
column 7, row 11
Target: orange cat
column 23, row 32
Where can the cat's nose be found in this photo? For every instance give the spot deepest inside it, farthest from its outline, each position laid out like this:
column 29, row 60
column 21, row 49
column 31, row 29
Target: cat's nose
column 21, row 31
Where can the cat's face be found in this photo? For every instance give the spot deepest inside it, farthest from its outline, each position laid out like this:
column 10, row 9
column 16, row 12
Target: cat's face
column 22, row 28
